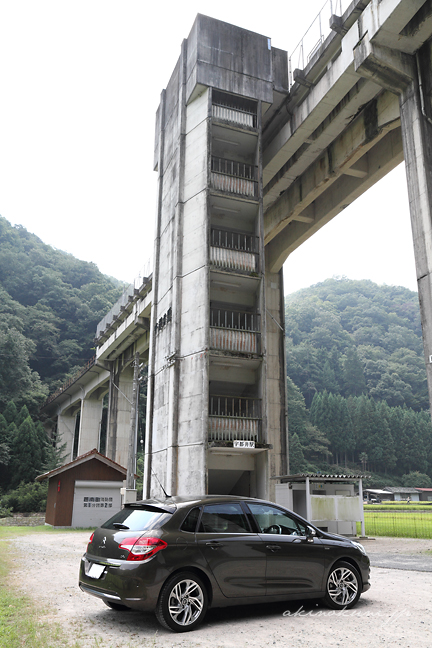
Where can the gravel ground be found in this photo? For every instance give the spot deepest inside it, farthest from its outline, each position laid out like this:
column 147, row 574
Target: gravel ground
column 394, row 612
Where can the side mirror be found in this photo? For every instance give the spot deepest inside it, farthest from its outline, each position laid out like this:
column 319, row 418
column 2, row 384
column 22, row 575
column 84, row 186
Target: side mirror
column 310, row 534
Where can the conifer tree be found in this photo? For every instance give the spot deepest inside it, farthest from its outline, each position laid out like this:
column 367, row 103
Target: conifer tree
column 10, row 412
column 22, row 415
column 353, row 374
column 4, row 436
column 296, row 458
column 26, row 454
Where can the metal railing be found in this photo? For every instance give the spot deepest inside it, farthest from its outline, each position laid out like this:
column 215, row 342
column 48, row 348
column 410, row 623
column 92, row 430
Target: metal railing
column 234, row 340
column 233, row 259
column 234, row 330
column 234, row 240
column 235, row 406
column 315, row 36
column 234, row 418
column 234, row 177
column 89, row 364
column 234, row 429
column 233, row 115
column 235, row 109
column 234, row 250
column 125, row 299
column 234, row 319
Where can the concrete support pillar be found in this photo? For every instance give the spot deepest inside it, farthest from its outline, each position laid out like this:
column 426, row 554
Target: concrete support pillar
column 113, row 398
column 410, row 77
column 277, row 429
column 66, row 433
column 90, row 421
column 416, row 121
column 125, row 395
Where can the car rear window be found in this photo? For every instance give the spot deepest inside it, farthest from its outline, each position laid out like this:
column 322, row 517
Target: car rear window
column 190, row 522
column 137, row 519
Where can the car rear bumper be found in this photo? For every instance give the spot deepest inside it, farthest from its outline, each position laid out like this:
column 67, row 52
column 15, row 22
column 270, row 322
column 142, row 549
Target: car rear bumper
column 123, row 583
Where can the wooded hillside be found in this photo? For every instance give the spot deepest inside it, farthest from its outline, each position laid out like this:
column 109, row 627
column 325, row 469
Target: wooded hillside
column 357, row 379
column 356, row 376
column 50, row 305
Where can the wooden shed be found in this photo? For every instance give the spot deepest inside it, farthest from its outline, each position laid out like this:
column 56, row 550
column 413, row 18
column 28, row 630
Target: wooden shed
column 84, row 492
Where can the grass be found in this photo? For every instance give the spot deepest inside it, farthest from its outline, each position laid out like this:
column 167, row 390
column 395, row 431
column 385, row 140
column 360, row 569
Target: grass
column 402, row 524
column 19, row 617
column 398, row 506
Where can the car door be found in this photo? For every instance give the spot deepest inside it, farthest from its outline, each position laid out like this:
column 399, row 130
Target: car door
column 295, row 559
column 234, row 553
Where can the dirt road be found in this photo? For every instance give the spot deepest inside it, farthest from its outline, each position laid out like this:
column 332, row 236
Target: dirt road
column 394, row 612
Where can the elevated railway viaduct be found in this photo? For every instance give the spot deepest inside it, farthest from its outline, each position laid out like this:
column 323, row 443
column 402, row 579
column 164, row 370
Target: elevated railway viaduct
column 253, row 157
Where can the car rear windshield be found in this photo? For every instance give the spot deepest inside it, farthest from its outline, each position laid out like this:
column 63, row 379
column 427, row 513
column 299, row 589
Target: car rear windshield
column 141, row 519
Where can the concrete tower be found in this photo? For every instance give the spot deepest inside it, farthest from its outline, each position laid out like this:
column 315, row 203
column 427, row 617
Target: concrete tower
column 216, row 410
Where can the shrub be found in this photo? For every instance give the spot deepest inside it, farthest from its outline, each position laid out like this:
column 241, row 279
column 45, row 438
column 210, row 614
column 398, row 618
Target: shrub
column 5, row 512
column 27, row 498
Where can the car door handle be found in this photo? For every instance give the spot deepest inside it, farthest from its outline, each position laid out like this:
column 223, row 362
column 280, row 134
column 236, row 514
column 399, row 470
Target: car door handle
column 273, row 548
column 214, row 544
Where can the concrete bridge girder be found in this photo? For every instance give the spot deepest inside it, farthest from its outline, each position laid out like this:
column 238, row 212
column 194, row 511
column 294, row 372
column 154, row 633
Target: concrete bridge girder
column 134, row 326
column 315, row 143
column 342, row 155
column 337, row 93
column 368, row 149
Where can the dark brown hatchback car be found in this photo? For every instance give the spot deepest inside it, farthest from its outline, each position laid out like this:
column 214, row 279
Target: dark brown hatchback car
column 181, row 556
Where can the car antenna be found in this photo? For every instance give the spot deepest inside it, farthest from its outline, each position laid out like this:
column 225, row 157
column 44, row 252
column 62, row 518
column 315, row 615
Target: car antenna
column 164, row 491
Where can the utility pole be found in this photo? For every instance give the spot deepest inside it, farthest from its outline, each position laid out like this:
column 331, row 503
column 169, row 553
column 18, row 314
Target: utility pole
column 131, row 465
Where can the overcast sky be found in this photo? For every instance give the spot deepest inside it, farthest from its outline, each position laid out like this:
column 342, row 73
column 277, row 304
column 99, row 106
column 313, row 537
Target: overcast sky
column 80, row 82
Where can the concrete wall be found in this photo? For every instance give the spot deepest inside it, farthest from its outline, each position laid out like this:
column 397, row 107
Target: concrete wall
column 277, row 431
column 182, row 365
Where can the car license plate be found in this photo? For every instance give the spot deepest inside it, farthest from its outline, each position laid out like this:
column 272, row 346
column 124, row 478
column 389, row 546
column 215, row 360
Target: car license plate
column 93, row 570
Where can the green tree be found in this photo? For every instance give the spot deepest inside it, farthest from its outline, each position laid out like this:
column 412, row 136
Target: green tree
column 15, row 372
column 413, row 455
column 296, row 458
column 417, row 479
column 26, row 454
column 353, row 374
column 313, row 442
column 4, row 455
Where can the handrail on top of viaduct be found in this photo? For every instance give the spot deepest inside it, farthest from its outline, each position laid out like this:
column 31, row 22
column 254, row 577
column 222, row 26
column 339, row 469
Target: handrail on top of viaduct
column 315, row 35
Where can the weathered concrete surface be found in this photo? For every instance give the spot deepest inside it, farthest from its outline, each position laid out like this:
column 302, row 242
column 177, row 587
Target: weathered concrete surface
column 306, row 140
column 416, row 113
column 363, row 105
column 90, row 422
column 184, row 363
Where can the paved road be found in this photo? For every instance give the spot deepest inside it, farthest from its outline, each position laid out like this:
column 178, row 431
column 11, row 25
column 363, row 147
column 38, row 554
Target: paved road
column 401, row 561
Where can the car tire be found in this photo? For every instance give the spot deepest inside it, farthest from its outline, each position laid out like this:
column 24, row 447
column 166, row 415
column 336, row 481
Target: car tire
column 182, row 603
column 343, row 586
column 118, row 607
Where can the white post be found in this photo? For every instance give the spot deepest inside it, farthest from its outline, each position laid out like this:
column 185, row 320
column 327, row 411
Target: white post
column 361, row 508
column 308, row 502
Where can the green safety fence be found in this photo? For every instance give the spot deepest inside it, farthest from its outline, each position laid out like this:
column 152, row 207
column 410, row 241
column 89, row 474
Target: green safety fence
column 398, row 524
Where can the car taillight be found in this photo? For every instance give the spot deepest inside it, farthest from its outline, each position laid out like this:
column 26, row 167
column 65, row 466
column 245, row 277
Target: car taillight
column 142, row 548
column 90, row 541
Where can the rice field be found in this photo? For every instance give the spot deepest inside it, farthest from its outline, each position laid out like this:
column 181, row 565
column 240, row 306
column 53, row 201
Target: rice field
column 398, row 523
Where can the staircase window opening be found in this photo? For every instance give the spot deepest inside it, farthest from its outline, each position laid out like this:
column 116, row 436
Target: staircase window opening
column 234, row 319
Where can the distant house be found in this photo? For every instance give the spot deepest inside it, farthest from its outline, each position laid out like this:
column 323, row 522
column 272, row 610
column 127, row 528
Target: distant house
column 85, row 492
column 425, row 494
column 402, row 493
column 377, row 494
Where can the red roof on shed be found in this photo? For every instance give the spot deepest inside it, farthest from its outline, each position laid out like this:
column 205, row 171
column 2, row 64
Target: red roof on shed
column 92, row 454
